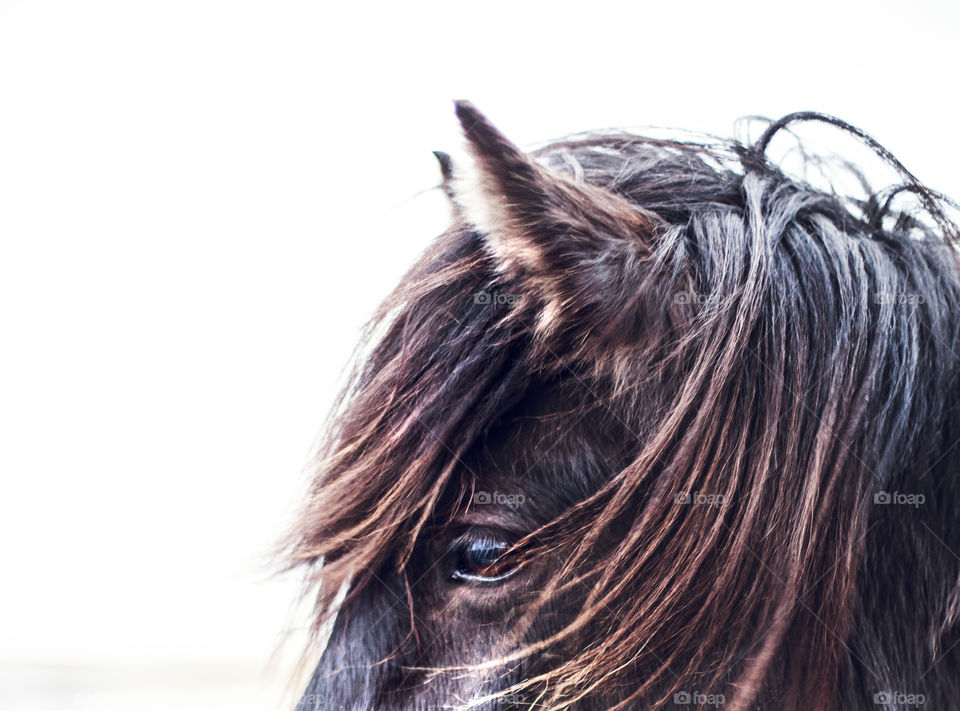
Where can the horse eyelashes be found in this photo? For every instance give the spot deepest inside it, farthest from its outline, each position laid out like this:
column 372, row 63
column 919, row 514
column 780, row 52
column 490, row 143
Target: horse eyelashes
column 484, row 559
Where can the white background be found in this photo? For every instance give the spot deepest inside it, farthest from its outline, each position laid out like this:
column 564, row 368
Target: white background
column 201, row 202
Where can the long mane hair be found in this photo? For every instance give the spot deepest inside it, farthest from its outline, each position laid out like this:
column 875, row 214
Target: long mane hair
column 788, row 349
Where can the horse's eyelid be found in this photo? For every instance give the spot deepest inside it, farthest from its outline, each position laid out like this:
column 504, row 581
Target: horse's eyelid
column 468, row 577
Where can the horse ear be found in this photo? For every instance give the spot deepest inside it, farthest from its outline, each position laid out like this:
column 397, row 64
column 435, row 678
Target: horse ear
column 446, row 171
column 575, row 242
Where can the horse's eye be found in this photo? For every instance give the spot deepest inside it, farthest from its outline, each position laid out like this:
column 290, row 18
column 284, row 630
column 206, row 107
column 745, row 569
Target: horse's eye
column 482, row 560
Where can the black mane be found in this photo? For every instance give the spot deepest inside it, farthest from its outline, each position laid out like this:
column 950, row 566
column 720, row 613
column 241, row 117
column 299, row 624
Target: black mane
column 615, row 329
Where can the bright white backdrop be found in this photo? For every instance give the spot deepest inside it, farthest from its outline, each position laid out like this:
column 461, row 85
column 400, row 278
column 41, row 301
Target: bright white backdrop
column 200, row 203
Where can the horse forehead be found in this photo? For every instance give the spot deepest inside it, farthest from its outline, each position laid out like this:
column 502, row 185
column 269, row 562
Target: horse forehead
column 559, row 443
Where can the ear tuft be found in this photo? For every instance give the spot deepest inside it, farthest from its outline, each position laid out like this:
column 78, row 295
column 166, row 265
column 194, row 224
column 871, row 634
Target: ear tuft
column 503, row 190
column 494, row 151
column 446, row 171
column 572, row 245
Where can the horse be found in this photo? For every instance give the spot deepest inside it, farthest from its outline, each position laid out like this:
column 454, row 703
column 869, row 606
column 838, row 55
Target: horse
column 654, row 424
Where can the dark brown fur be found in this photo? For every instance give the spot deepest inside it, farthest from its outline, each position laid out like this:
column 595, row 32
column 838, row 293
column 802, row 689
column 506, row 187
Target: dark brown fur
column 675, row 318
